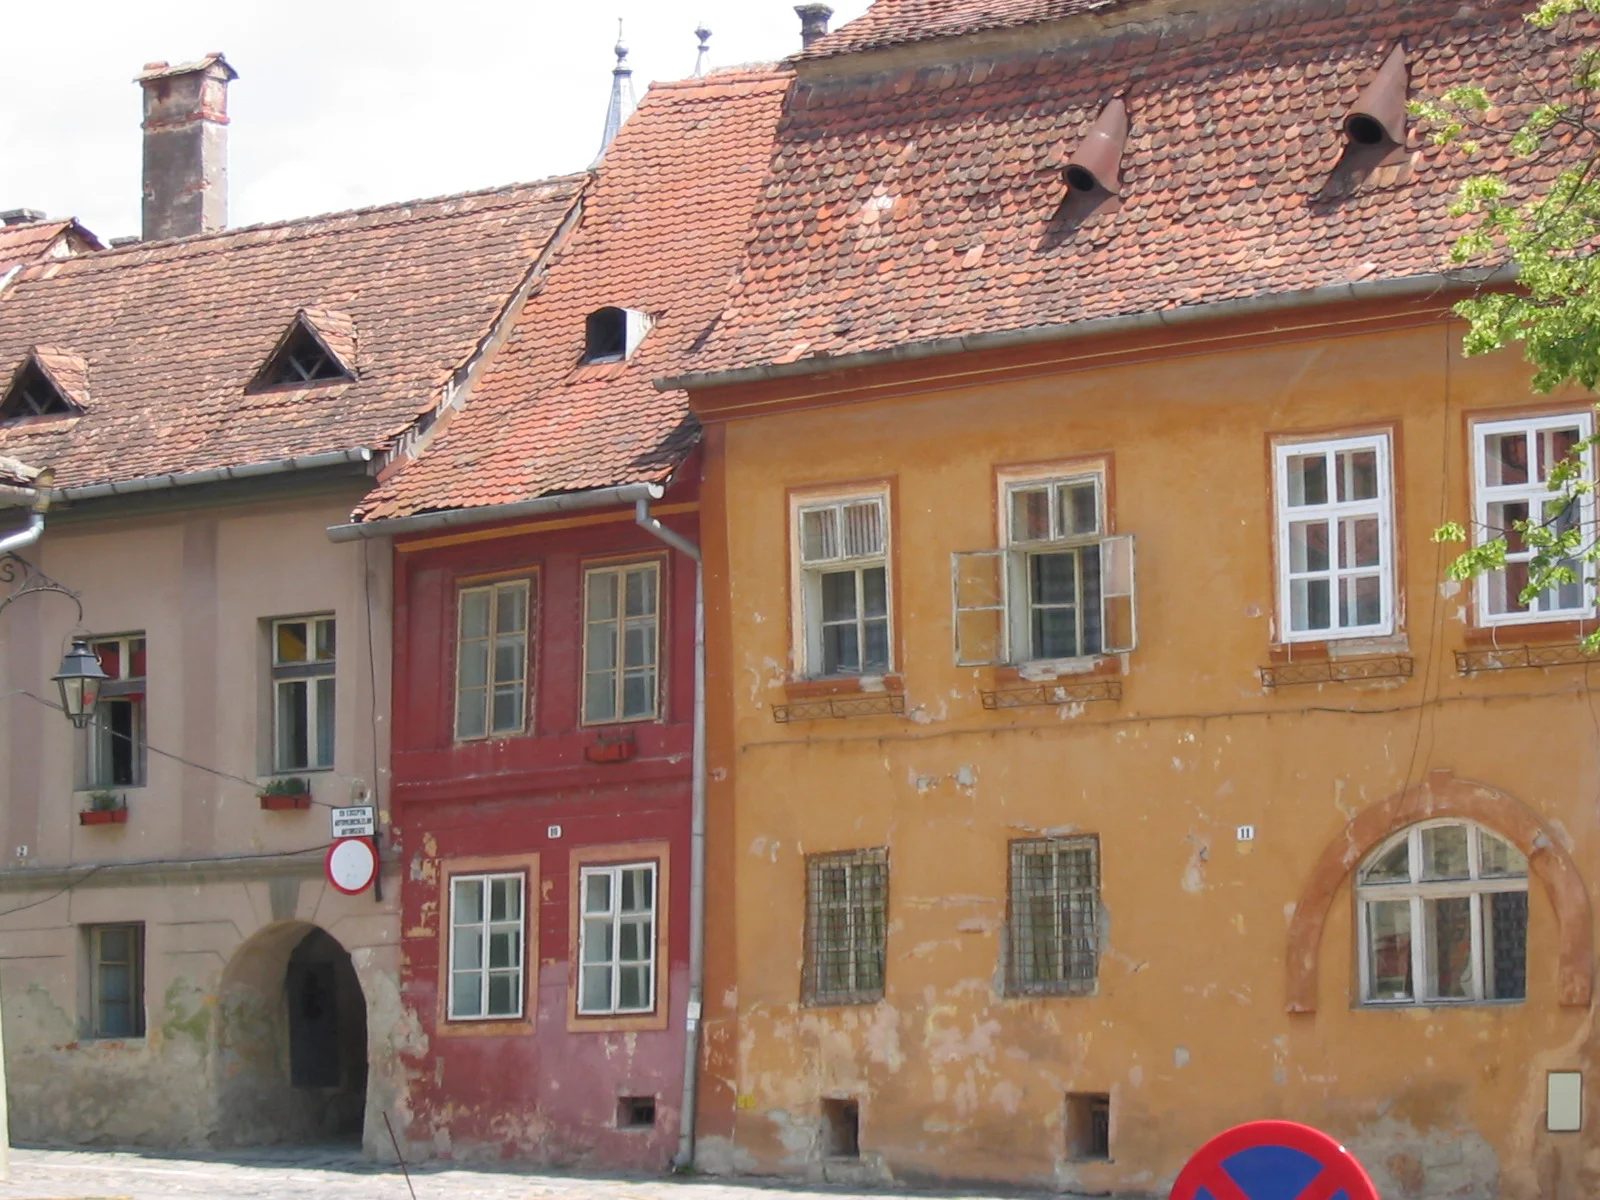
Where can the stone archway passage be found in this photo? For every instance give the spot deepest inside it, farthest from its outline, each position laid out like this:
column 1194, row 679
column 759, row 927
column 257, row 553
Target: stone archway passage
column 1441, row 794
column 291, row 1040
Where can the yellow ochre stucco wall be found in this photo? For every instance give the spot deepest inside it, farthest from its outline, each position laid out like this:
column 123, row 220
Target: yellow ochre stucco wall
column 1188, row 1031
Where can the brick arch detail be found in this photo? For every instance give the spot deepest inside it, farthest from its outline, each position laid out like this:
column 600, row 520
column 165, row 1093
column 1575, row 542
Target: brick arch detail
column 1442, row 795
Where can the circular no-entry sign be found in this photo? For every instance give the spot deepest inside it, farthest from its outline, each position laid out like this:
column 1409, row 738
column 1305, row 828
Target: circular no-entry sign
column 1273, row 1160
column 352, row 864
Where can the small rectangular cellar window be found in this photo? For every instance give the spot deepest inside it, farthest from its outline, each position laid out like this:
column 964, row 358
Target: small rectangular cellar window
column 636, row 1112
column 1088, row 1126
column 841, row 1128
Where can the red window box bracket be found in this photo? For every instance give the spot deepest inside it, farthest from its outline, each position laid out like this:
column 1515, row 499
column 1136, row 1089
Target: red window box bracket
column 103, row 816
column 285, row 803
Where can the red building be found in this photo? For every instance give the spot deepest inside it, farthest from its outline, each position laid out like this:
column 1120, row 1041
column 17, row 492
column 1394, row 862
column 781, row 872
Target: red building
column 545, row 689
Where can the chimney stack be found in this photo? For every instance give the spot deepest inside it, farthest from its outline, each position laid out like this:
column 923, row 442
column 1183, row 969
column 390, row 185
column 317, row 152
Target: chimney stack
column 185, row 147
column 21, row 216
column 813, row 22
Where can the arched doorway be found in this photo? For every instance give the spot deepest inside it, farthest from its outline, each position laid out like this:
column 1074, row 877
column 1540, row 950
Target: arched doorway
column 291, row 1063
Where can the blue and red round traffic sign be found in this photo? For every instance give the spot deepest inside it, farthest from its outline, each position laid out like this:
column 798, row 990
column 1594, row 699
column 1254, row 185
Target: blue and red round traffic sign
column 1273, row 1160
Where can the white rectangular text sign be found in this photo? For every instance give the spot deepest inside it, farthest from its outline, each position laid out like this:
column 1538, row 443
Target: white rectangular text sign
column 359, row 820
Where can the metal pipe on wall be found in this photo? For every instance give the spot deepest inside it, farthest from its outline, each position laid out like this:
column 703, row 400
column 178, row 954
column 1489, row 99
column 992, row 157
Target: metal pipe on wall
column 688, row 1112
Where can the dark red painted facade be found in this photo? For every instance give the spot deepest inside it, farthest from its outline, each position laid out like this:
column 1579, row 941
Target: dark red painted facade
column 546, row 1088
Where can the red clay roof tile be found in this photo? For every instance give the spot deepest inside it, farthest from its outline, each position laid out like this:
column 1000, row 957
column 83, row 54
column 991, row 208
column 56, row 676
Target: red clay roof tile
column 171, row 333
column 896, row 22
column 663, row 228
column 913, row 202
column 29, row 242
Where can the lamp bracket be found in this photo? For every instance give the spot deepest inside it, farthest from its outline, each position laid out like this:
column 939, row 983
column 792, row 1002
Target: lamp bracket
column 27, row 580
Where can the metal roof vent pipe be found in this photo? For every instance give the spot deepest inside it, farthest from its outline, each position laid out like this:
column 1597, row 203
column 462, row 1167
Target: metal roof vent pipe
column 813, row 23
column 1378, row 117
column 1094, row 165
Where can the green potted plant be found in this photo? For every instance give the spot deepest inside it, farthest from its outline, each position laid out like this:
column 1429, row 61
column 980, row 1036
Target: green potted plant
column 279, row 795
column 105, row 808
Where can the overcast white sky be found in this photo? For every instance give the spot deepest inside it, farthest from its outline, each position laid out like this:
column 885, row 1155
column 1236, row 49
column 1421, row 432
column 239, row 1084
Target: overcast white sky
column 342, row 103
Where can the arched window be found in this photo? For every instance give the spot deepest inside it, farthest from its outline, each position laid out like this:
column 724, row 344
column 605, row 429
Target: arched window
column 1443, row 912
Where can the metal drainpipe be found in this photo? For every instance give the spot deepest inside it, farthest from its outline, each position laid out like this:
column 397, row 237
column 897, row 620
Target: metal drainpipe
column 25, row 536
column 684, row 1159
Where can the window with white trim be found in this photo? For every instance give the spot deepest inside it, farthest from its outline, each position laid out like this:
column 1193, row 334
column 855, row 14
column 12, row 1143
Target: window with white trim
column 115, row 754
column 488, row 929
column 1061, row 588
column 492, row 659
column 617, row 939
column 845, row 625
column 1512, row 464
column 621, row 642
column 1335, row 506
column 303, row 695
column 1443, row 911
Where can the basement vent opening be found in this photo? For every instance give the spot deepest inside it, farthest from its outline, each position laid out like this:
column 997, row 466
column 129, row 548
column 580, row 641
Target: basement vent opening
column 841, row 1128
column 1088, row 1126
column 636, row 1112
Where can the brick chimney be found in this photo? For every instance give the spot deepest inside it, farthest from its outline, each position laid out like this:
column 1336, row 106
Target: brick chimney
column 813, row 22
column 185, row 146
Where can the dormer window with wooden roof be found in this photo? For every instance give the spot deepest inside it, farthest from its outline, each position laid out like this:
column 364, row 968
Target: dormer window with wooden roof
column 306, row 355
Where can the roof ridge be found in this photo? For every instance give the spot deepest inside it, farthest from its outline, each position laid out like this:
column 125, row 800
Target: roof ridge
column 741, row 73
column 339, row 214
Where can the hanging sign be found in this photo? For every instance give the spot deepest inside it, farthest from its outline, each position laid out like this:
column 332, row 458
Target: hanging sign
column 352, row 865
column 1273, row 1160
column 359, row 820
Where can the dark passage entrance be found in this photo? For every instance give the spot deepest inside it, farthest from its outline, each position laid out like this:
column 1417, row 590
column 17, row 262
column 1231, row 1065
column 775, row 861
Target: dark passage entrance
column 327, row 1035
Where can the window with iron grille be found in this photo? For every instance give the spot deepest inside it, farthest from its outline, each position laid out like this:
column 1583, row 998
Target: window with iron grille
column 1055, row 915
column 846, row 906
column 844, row 626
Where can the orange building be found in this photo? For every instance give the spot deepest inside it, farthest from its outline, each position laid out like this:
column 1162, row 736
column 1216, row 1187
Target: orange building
column 1103, row 758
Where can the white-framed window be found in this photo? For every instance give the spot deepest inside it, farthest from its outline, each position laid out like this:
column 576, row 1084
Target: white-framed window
column 1512, row 461
column 115, row 754
column 116, row 980
column 1336, row 570
column 1060, row 588
column 1443, row 917
column 844, row 625
column 303, row 702
column 488, row 929
column 492, row 659
column 617, row 939
column 621, row 642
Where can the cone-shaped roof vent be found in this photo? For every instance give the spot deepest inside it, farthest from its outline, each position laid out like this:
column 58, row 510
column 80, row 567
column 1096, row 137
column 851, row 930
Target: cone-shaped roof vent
column 1378, row 116
column 1094, row 164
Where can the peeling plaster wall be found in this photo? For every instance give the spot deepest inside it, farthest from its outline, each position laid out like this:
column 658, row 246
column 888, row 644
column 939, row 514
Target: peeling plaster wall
column 1188, row 1031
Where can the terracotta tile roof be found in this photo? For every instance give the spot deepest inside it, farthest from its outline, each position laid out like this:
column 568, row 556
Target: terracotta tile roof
column 17, row 474
column 663, row 230
column 896, row 22
column 169, row 334
column 35, row 240
column 927, row 202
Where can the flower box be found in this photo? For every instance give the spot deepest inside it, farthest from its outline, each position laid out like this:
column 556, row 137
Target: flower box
column 103, row 816
column 610, row 750
column 281, row 803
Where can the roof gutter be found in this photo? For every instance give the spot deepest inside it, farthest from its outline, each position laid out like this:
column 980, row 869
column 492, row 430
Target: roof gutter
column 628, row 493
column 1376, row 289
column 160, row 483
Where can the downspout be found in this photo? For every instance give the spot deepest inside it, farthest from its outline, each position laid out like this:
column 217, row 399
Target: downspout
column 684, row 1159
column 26, row 536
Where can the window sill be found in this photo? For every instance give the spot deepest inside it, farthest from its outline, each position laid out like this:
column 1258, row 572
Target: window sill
column 1538, row 632
column 615, row 1023
column 860, row 1002
column 1355, row 646
column 1048, row 670
column 1431, row 1005
column 485, row 1027
column 842, row 685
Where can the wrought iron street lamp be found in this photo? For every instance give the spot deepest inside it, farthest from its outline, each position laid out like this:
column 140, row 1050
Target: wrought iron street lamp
column 79, row 679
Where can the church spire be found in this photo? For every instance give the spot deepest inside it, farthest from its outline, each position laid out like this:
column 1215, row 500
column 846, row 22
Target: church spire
column 622, row 101
column 703, row 58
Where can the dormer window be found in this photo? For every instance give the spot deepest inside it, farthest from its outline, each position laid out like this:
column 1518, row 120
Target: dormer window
column 304, row 357
column 49, row 383
column 32, row 395
column 613, row 334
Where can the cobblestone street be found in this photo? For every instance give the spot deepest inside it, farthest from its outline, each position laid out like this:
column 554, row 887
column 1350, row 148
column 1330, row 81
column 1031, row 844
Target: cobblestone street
column 340, row 1174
